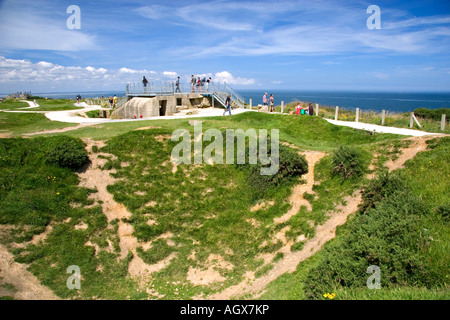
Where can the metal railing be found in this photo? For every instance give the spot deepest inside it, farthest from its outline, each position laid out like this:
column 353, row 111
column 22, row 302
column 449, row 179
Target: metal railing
column 218, row 90
column 222, row 90
column 161, row 88
column 104, row 102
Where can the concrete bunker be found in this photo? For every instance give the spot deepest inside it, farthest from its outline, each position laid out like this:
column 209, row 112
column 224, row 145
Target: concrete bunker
column 160, row 106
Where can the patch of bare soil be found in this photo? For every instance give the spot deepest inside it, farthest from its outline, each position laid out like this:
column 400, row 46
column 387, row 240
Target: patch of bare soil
column 146, row 128
column 162, row 138
column 297, row 200
column 204, row 277
column 418, row 144
column 263, row 205
column 26, row 286
column 81, row 125
column 41, row 237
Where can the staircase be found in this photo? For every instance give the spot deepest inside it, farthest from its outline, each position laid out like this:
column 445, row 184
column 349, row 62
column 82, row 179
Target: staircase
column 221, row 91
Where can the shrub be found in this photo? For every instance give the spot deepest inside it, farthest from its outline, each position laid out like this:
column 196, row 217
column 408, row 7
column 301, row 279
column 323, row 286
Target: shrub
column 378, row 189
column 435, row 114
column 291, row 165
column 93, row 114
column 388, row 237
column 348, row 162
column 66, row 152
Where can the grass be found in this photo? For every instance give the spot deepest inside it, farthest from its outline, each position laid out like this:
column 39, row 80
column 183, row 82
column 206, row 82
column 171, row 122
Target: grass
column 16, row 124
column 429, row 188
column 35, row 195
column 12, row 104
column 55, row 105
column 198, row 212
column 197, row 205
column 392, row 119
column 306, row 132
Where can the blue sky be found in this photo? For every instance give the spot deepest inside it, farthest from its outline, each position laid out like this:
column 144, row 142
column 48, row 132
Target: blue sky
column 289, row 44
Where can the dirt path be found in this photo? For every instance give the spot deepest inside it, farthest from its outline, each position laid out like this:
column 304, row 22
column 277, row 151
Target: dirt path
column 297, row 200
column 100, row 179
column 418, row 144
column 81, row 125
column 26, row 286
column 323, row 234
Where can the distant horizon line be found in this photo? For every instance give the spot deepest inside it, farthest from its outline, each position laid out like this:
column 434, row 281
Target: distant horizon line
column 256, row 90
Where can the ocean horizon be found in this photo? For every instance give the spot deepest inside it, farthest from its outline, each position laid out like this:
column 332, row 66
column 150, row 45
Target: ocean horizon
column 365, row 100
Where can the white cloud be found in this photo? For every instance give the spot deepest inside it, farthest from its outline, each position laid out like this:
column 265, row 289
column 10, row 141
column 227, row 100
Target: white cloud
column 126, row 70
column 45, row 75
column 170, row 74
column 415, row 22
column 24, row 27
column 227, row 77
column 153, row 11
column 340, row 29
column 24, row 71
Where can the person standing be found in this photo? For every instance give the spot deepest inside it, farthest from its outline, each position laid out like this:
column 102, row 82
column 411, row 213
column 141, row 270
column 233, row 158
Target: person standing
column 115, row 101
column 177, row 85
column 265, row 99
column 271, row 102
column 198, row 84
column 228, row 105
column 144, row 83
column 310, row 109
column 193, row 83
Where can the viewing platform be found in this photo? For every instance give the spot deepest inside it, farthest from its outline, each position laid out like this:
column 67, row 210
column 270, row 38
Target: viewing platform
column 217, row 91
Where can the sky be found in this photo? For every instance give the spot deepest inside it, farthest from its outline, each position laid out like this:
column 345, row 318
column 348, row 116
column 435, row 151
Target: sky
column 251, row 45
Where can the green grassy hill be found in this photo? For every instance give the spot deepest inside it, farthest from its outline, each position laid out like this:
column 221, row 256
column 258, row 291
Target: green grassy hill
column 204, row 228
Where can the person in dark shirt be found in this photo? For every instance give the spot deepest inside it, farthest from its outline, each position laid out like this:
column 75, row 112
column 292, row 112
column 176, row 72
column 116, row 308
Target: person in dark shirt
column 228, row 105
column 177, row 84
column 144, row 81
column 310, row 109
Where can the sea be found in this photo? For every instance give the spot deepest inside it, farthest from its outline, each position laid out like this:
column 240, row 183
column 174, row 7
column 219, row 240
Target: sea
column 369, row 101
column 365, row 100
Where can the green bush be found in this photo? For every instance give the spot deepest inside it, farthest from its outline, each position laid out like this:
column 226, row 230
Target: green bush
column 62, row 151
column 388, row 237
column 93, row 114
column 435, row 114
column 348, row 162
column 378, row 189
column 291, row 165
column 66, row 152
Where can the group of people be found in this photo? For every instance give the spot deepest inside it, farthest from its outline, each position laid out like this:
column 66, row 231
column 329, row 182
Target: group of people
column 112, row 102
column 200, row 84
column 267, row 101
column 304, row 110
column 78, row 98
column 197, row 84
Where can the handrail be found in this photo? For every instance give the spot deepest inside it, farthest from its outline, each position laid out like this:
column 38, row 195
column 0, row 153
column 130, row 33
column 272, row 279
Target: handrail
column 217, row 89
